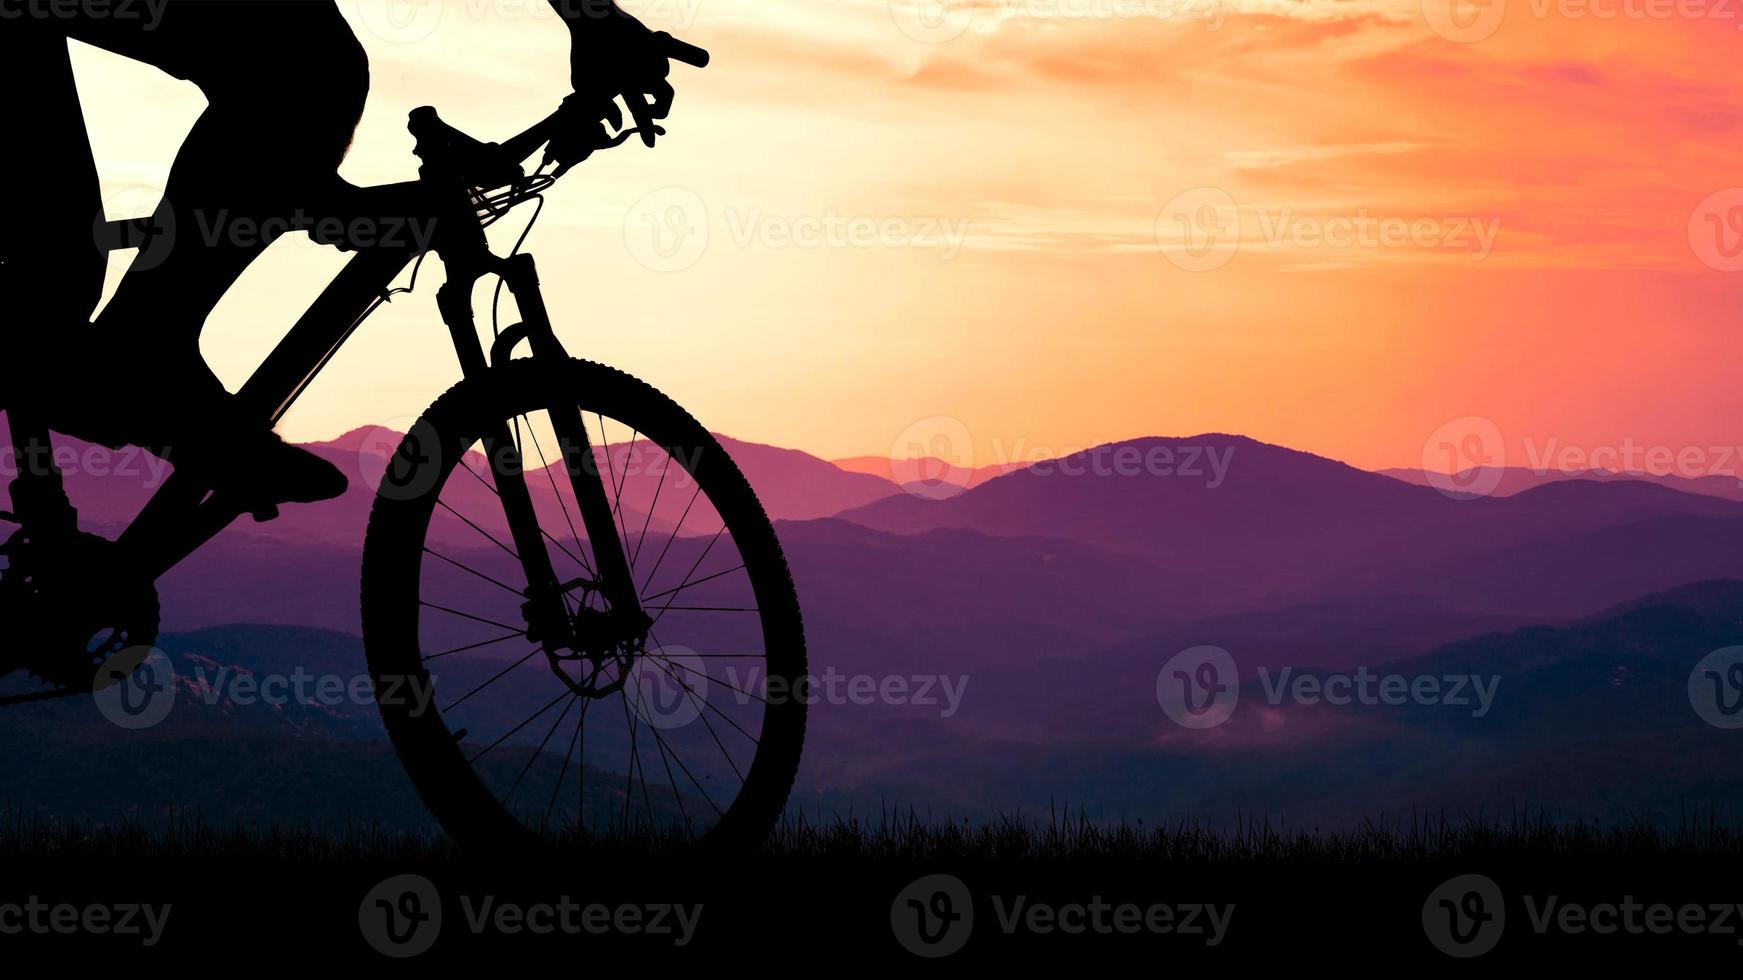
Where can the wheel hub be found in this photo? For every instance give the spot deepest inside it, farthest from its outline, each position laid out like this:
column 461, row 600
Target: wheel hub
column 599, row 647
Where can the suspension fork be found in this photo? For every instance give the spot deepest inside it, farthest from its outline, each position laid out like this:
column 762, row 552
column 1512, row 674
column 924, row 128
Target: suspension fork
column 617, row 581
column 546, row 613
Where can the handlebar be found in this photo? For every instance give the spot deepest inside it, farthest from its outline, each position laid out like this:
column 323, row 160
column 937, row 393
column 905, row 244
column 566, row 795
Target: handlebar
column 677, row 50
column 451, row 153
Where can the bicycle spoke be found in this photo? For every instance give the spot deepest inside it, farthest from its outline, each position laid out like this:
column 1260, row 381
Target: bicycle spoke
column 555, row 790
column 464, row 615
column 662, row 595
column 540, row 750
column 649, row 517
column 671, row 538
column 677, row 795
column 629, row 777
column 705, row 703
column 691, row 574
column 493, row 680
column 444, row 505
column 547, row 535
column 511, row 732
column 474, row 646
column 473, row 571
column 711, row 678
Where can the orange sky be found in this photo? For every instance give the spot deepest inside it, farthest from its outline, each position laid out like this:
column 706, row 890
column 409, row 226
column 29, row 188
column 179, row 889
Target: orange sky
column 988, row 203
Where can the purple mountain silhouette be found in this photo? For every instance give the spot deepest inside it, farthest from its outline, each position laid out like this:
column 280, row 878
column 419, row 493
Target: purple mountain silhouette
column 1513, row 480
column 1124, row 539
column 1276, row 520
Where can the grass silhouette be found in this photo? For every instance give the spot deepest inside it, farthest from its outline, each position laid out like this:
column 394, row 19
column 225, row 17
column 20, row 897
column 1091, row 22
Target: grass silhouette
column 909, row 837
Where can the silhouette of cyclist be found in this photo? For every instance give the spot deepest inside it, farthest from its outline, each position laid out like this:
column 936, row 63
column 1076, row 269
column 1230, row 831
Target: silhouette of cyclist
column 285, row 83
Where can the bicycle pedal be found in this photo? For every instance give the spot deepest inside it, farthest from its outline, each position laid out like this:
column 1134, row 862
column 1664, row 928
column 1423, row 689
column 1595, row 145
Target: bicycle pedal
column 262, row 515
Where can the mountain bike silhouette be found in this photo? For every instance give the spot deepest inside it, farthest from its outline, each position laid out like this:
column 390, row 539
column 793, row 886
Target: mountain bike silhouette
column 590, row 555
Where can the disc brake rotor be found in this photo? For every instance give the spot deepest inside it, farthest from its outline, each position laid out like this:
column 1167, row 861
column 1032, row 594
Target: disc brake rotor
column 596, row 658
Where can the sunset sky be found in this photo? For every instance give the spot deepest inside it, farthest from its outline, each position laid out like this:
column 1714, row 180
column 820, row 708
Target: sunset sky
column 1001, row 188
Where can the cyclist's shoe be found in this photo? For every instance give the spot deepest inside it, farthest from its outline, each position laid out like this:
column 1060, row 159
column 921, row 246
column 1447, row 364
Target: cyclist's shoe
column 293, row 475
column 261, row 471
column 206, row 435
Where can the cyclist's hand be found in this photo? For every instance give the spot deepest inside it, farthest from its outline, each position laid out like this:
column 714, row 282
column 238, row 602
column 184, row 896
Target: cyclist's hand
column 612, row 58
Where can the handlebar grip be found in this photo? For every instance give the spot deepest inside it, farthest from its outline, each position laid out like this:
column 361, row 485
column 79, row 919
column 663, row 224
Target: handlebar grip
column 678, row 50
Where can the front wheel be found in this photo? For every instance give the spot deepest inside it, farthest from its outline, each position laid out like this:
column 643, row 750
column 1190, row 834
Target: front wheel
column 691, row 728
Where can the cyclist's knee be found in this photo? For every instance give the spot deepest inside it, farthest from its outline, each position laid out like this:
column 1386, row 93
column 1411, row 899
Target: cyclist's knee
column 327, row 107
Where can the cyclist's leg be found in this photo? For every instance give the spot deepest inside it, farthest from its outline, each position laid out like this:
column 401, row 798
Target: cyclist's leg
column 51, row 272
column 285, row 85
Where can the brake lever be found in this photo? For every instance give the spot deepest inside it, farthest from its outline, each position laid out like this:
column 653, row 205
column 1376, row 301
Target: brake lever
column 608, row 143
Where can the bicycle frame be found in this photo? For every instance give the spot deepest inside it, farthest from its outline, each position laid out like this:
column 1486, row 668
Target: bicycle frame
column 180, row 518
column 183, row 515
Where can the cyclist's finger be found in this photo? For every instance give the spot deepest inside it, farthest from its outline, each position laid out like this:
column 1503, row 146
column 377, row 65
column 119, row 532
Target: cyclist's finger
column 614, row 115
column 644, row 121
